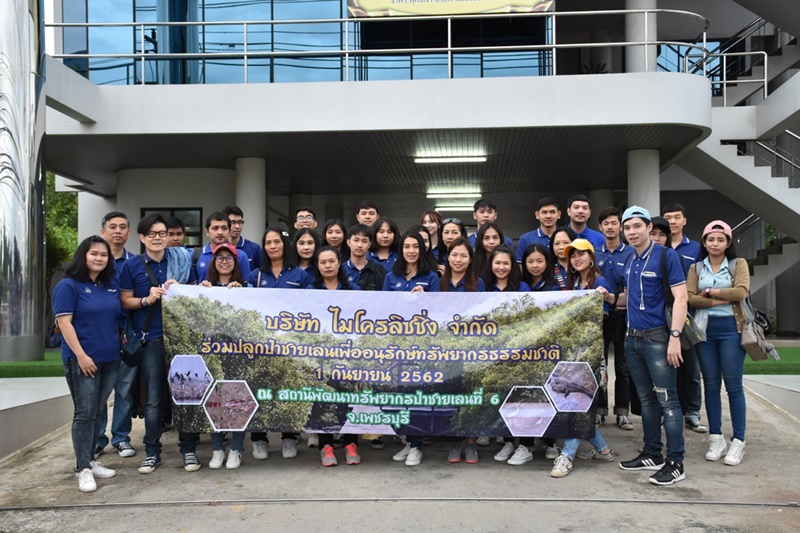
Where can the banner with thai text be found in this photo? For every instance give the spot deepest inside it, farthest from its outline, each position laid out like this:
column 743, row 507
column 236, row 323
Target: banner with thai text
column 393, row 8
column 390, row 363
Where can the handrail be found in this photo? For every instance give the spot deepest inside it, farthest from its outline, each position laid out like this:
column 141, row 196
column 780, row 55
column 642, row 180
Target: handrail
column 792, row 134
column 749, row 221
column 756, row 24
column 774, row 152
column 725, row 81
column 345, row 50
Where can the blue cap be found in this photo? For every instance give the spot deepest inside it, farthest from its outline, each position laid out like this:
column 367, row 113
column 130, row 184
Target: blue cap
column 636, row 211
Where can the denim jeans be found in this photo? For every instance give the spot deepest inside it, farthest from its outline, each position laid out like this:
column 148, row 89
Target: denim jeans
column 722, row 357
column 655, row 384
column 88, row 394
column 571, row 445
column 237, row 441
column 123, row 403
column 690, row 391
column 614, row 333
column 187, row 442
column 153, row 374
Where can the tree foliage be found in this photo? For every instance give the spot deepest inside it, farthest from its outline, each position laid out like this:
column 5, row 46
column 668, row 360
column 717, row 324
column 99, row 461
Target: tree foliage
column 61, row 226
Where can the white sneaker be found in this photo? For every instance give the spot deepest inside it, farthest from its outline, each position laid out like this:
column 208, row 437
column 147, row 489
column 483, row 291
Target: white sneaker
column 234, row 459
column 505, row 452
column 101, row 471
column 86, row 481
column 735, row 453
column 501, row 440
column 313, row 440
column 289, row 450
column 217, row 458
column 414, row 457
column 716, row 447
column 552, row 452
column 260, row 450
column 561, row 467
column 483, row 441
column 521, row 456
column 402, row 454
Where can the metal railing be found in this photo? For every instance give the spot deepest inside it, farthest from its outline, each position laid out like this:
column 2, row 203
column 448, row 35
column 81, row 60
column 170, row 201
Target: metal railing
column 783, row 163
column 347, row 49
column 690, row 67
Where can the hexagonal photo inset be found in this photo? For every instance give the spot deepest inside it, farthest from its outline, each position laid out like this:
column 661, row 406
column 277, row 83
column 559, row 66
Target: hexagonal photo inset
column 527, row 411
column 188, row 379
column 230, row 405
column 572, row 387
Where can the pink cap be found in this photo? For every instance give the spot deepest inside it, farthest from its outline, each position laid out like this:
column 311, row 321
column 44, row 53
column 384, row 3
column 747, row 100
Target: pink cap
column 718, row 225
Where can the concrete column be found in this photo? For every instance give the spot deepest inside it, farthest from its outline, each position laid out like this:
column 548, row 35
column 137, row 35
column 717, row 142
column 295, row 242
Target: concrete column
column 636, row 30
column 601, row 56
column 92, row 208
column 644, row 175
column 600, row 199
column 251, row 195
column 297, row 201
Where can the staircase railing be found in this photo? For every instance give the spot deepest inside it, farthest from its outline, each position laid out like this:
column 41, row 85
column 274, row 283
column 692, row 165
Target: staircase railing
column 782, row 162
column 750, row 236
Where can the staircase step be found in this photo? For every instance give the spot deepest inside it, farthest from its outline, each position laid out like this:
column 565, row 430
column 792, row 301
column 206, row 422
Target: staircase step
column 784, row 240
column 770, row 250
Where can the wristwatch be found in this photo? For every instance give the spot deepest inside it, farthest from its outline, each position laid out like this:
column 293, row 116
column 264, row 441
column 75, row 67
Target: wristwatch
column 707, row 292
column 675, row 333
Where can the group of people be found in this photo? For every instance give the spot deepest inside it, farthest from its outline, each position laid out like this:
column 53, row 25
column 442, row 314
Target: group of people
column 107, row 290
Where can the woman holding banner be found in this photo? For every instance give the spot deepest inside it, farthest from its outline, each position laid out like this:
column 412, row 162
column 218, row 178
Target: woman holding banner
column 330, row 275
column 277, row 271
column 86, row 305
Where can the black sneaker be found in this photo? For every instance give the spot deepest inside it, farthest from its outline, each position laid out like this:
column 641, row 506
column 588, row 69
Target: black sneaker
column 98, row 451
column 693, row 423
column 669, row 474
column 190, row 462
column 643, row 461
column 150, row 463
column 376, row 444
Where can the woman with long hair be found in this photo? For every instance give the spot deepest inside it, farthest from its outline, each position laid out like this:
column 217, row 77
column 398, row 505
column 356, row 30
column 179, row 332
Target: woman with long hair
column 385, row 241
column 489, row 237
column 277, row 271
column 304, row 245
column 86, row 305
column 559, row 240
column 538, row 269
column 432, row 221
column 426, row 237
column 504, row 274
column 335, row 234
column 450, row 230
column 720, row 284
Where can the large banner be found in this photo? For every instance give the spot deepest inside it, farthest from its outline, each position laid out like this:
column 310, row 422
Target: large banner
column 391, row 8
column 436, row 364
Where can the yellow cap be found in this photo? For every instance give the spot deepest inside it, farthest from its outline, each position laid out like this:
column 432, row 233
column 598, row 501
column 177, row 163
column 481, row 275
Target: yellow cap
column 578, row 244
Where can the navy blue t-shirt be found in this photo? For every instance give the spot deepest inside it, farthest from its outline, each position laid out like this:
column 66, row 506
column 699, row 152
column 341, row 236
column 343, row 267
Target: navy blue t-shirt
column 536, row 236
column 462, row 286
column 253, row 252
column 289, row 278
column 689, row 252
column 612, row 263
column 429, row 282
column 523, row 287
column 388, row 263
column 94, row 309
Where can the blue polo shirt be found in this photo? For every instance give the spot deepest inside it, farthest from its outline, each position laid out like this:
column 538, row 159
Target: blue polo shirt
column 645, row 289
column 612, row 263
column 523, row 287
column 689, row 251
column 429, row 282
column 120, row 261
column 388, row 263
column 536, row 236
column 289, row 278
column 462, row 286
column 474, row 237
column 207, row 256
column 542, row 286
column 134, row 278
column 353, row 287
column 352, row 272
column 94, row 309
column 595, row 237
column 253, row 252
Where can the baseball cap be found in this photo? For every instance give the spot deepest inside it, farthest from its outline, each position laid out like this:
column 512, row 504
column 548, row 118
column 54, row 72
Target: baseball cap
column 225, row 246
column 718, row 225
column 578, row 244
column 635, row 211
column 661, row 223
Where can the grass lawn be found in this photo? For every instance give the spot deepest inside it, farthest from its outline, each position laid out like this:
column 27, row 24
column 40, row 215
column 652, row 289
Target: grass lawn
column 788, row 365
column 51, row 366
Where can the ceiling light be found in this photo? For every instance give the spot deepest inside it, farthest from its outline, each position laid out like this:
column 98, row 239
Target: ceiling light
column 455, row 195
column 465, row 159
column 451, row 208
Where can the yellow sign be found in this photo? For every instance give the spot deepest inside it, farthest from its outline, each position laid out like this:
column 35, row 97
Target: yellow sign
column 394, row 8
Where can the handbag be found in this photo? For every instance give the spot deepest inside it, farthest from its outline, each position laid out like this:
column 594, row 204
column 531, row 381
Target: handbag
column 55, row 335
column 753, row 340
column 690, row 334
column 132, row 346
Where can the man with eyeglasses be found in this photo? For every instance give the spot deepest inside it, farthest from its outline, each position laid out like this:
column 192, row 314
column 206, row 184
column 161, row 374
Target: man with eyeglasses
column 304, row 217
column 217, row 231
column 250, row 248
column 138, row 296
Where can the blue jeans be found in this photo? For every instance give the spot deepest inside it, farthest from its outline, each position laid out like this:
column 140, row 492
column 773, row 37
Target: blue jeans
column 722, row 357
column 237, row 441
column 690, row 390
column 88, row 394
column 571, row 445
column 655, row 384
column 123, row 403
column 153, row 374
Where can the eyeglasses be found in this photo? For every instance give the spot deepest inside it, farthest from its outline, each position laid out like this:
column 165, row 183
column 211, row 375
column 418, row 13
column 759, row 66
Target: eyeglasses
column 305, row 218
column 224, row 259
column 237, row 222
column 451, row 221
column 152, row 234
